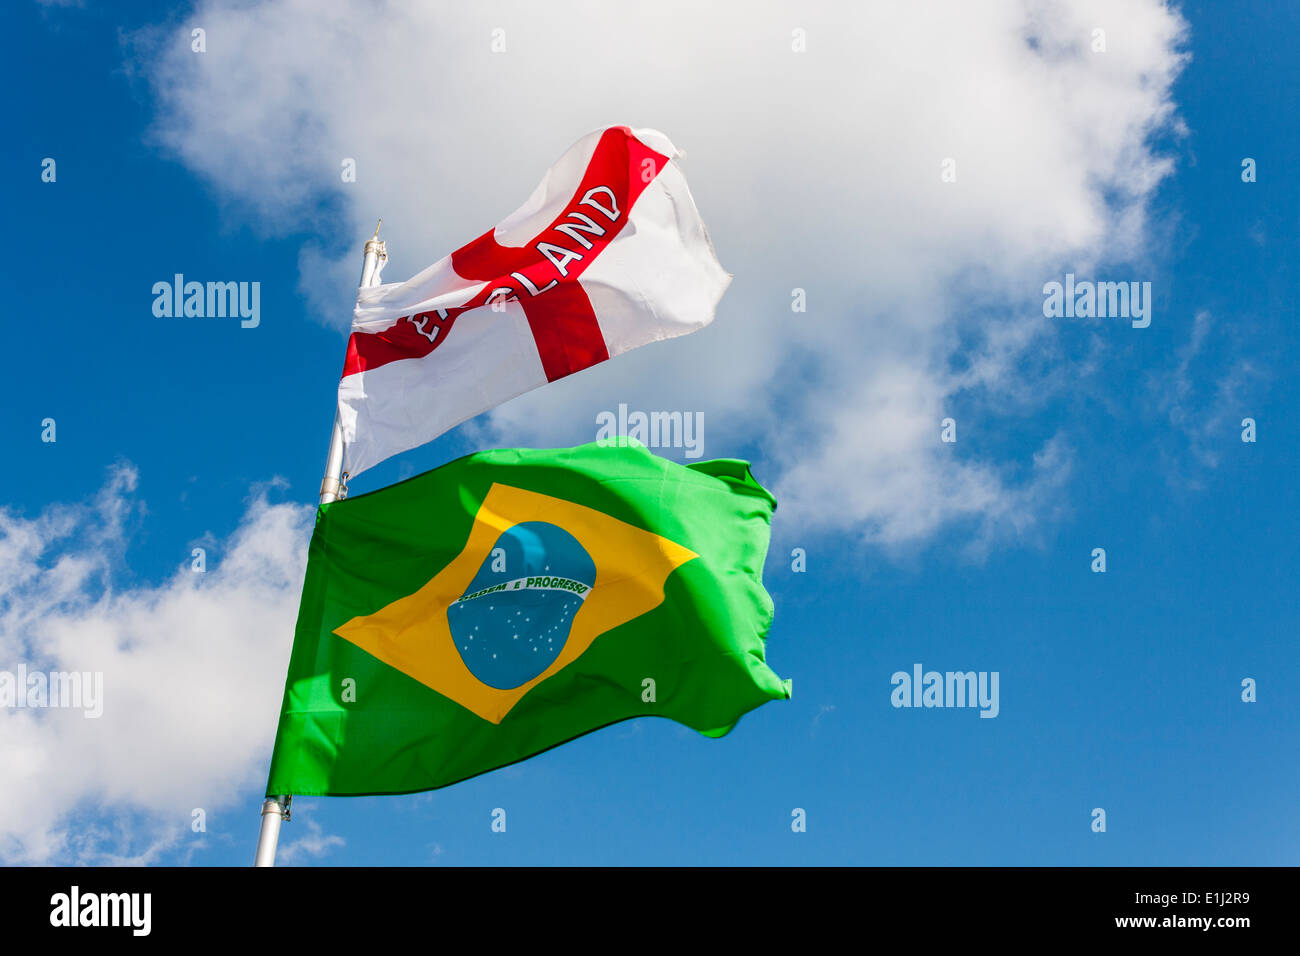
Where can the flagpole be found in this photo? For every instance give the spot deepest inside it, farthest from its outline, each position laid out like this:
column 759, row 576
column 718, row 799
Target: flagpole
column 333, row 486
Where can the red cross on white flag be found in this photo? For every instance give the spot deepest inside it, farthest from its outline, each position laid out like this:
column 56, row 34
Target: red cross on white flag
column 609, row 253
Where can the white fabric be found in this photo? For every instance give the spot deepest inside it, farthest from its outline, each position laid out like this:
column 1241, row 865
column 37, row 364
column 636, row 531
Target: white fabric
column 399, row 406
column 659, row 278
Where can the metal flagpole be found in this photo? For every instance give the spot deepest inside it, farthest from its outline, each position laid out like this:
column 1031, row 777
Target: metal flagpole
column 332, row 487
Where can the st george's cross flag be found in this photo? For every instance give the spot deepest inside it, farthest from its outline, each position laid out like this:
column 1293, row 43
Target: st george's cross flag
column 608, row 254
column 511, row 600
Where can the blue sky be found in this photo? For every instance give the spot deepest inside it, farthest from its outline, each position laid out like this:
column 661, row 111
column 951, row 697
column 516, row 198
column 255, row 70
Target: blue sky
column 1119, row 690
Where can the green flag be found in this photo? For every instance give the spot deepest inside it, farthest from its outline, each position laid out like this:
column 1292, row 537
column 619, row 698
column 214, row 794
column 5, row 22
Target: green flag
column 509, row 601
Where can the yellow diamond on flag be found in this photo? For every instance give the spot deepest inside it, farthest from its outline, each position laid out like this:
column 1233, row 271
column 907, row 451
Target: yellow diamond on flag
column 414, row 634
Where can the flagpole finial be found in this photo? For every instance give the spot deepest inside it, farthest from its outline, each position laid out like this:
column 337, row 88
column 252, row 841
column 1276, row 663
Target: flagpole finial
column 375, row 245
column 376, row 254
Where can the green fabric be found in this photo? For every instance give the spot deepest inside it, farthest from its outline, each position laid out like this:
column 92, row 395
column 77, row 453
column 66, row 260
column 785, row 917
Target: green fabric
column 703, row 645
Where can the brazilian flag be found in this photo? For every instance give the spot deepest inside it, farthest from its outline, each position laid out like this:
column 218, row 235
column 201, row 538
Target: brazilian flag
column 509, row 601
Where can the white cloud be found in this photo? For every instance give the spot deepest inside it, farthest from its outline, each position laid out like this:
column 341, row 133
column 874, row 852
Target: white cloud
column 1205, row 394
column 315, row 843
column 817, row 170
column 193, row 670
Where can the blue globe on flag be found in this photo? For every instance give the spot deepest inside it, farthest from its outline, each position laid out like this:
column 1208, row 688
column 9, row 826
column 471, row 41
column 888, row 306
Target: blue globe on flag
column 513, row 620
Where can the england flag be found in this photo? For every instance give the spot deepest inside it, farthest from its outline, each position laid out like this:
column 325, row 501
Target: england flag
column 609, row 253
